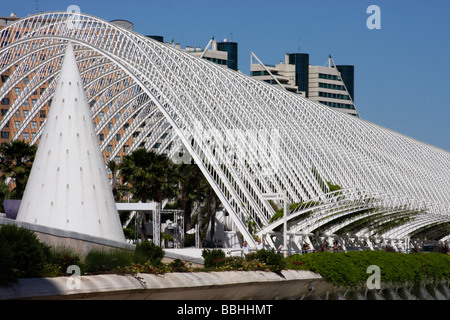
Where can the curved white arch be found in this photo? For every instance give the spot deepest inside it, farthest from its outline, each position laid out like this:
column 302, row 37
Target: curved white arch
column 248, row 138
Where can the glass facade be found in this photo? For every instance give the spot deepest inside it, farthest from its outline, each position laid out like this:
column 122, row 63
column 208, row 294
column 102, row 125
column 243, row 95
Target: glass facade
column 348, row 76
column 232, row 49
column 157, row 38
column 301, row 62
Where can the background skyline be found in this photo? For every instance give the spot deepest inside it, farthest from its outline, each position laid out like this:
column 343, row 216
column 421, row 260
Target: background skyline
column 401, row 70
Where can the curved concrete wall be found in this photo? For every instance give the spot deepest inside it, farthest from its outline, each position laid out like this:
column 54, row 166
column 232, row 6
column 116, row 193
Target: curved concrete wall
column 231, row 285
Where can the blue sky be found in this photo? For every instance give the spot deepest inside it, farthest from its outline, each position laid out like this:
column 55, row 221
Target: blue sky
column 402, row 71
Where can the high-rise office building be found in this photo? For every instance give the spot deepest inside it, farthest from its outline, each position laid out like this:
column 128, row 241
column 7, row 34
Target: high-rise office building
column 301, row 63
column 232, row 49
column 330, row 85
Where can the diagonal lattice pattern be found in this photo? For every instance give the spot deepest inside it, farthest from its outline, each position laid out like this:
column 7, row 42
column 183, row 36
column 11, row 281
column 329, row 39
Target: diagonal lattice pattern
column 248, row 137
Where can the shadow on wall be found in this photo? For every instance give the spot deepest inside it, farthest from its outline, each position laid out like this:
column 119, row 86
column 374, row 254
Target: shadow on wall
column 11, row 208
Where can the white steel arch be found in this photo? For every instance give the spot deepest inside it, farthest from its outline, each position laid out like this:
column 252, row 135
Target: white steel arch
column 248, row 137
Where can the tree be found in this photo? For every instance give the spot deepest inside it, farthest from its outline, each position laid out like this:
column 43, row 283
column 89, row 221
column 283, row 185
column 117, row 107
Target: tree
column 189, row 177
column 149, row 177
column 16, row 162
column 113, row 167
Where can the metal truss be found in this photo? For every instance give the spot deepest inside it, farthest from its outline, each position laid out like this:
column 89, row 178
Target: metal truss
column 248, row 137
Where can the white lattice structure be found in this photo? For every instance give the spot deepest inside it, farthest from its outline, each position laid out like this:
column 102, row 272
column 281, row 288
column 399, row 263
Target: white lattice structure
column 248, row 137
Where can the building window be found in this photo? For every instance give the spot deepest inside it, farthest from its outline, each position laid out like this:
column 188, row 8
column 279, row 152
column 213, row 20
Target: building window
column 42, row 114
column 25, row 136
column 17, row 124
column 33, row 124
column 328, row 76
column 5, row 102
column 17, row 91
column 101, row 137
column 118, row 137
column 109, row 148
column 5, row 135
column 25, row 113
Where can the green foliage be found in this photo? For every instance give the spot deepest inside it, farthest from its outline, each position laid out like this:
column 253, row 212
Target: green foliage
column 293, row 207
column 22, row 255
column 213, row 258
column 274, row 261
column 129, row 233
column 261, row 260
column 103, row 261
column 242, row 264
column 148, row 251
column 348, row 269
column 150, row 176
column 16, row 161
column 178, row 265
column 333, row 187
column 60, row 259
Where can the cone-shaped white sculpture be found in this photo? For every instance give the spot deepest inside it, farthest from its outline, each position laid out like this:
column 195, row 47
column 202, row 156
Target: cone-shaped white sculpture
column 68, row 186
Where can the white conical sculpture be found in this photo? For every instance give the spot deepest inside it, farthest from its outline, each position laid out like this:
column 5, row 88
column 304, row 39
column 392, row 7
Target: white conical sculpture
column 68, row 187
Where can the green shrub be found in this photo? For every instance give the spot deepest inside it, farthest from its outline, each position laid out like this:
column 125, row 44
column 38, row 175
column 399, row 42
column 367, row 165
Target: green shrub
column 60, row 259
column 178, row 266
column 213, row 258
column 349, row 269
column 107, row 260
column 148, row 251
column 243, row 264
column 22, row 255
column 274, row 261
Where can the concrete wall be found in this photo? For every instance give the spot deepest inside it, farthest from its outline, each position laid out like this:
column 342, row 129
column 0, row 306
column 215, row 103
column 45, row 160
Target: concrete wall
column 202, row 286
column 231, row 285
column 81, row 243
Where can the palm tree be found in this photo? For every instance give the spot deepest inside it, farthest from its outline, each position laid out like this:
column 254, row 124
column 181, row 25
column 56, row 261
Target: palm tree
column 191, row 190
column 113, row 167
column 16, row 162
column 150, row 177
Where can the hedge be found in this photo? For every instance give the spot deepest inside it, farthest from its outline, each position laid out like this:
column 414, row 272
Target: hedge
column 349, row 269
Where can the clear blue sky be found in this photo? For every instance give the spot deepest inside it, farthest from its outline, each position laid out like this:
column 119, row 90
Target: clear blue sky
column 402, row 71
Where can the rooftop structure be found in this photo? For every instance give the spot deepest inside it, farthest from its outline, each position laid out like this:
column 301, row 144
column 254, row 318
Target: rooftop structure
column 330, row 85
column 222, row 53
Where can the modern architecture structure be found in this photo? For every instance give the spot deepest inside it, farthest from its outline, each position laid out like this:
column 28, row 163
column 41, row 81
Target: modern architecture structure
column 222, row 53
column 68, row 188
column 253, row 142
column 282, row 75
column 331, row 85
